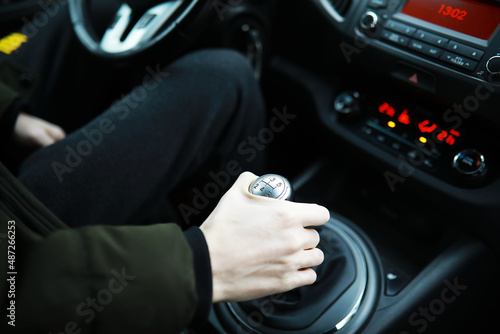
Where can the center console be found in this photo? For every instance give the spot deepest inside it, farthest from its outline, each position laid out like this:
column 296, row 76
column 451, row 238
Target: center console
column 406, row 96
column 423, row 91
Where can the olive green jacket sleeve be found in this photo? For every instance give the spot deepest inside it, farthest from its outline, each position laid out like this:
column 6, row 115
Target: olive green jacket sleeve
column 7, row 97
column 99, row 279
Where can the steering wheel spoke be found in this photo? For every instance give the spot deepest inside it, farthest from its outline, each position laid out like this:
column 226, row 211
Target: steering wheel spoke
column 127, row 36
column 144, row 29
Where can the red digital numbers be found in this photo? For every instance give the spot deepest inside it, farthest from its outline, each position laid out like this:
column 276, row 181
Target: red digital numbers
column 440, row 135
column 452, row 12
column 387, row 109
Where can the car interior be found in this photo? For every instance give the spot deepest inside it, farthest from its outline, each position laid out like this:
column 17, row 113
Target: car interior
column 393, row 110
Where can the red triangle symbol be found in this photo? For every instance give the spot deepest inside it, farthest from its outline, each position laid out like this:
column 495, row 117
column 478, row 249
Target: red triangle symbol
column 414, row 79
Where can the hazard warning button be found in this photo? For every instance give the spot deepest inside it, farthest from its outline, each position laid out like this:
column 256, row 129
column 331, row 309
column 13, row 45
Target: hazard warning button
column 415, row 77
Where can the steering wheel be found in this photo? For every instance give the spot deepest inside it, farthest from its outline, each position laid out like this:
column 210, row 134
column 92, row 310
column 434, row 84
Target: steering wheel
column 138, row 25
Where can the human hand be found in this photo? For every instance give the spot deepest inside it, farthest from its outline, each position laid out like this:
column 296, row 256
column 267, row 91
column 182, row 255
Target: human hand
column 259, row 246
column 34, row 132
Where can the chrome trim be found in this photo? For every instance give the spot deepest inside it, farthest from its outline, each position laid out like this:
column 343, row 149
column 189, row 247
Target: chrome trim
column 488, row 65
column 372, row 25
column 143, row 31
column 363, row 271
column 351, row 314
column 471, row 173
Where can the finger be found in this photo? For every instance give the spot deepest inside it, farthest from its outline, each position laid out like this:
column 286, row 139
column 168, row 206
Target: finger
column 311, row 238
column 42, row 139
column 309, row 276
column 55, row 132
column 300, row 278
column 310, row 258
column 310, row 214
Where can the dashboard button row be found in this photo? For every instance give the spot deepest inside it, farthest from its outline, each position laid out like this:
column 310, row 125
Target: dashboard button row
column 432, row 45
column 397, row 146
column 431, row 38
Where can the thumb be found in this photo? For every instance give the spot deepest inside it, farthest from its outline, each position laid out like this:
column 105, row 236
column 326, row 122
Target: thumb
column 244, row 181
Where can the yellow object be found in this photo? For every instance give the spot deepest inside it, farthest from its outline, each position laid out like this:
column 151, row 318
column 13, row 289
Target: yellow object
column 391, row 124
column 12, row 42
column 423, row 140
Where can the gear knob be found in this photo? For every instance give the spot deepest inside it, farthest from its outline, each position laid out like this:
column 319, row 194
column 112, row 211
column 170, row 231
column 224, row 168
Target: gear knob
column 273, row 186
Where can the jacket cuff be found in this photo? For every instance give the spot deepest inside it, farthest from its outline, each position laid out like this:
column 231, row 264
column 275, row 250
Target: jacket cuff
column 203, row 275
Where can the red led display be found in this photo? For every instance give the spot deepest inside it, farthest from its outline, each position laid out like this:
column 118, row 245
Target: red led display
column 404, row 118
column 423, row 127
column 386, row 108
column 442, row 135
column 469, row 17
column 426, row 128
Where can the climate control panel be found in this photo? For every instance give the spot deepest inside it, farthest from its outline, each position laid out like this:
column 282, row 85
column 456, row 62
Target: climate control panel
column 415, row 134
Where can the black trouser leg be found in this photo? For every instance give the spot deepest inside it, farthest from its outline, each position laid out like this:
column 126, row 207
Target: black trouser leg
column 203, row 105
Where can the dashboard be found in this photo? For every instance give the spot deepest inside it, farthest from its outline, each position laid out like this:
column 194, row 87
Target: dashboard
column 419, row 91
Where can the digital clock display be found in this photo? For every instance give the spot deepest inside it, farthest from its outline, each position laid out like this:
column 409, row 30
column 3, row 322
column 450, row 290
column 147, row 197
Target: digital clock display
column 473, row 18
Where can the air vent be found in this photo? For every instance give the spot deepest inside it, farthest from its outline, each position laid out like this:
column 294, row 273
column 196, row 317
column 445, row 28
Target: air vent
column 341, row 6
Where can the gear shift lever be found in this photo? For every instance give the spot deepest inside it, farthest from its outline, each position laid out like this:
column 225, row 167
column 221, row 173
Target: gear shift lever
column 273, row 186
column 344, row 292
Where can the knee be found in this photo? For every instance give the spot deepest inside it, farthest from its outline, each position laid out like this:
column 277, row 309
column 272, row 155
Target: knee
column 223, row 64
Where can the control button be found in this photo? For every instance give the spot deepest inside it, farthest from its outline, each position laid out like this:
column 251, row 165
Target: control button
column 493, row 65
column 395, row 145
column 384, row 15
column 366, row 130
column 426, row 49
column 414, row 155
column 378, row 3
column 400, row 28
column 395, row 280
column 347, row 103
column 395, row 38
column 369, row 20
column 415, row 77
column 459, row 61
column 469, row 163
column 427, row 37
column 429, row 163
column 465, row 50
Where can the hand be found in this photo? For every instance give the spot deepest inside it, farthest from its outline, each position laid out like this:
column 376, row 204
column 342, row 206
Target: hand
column 33, row 132
column 259, row 246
